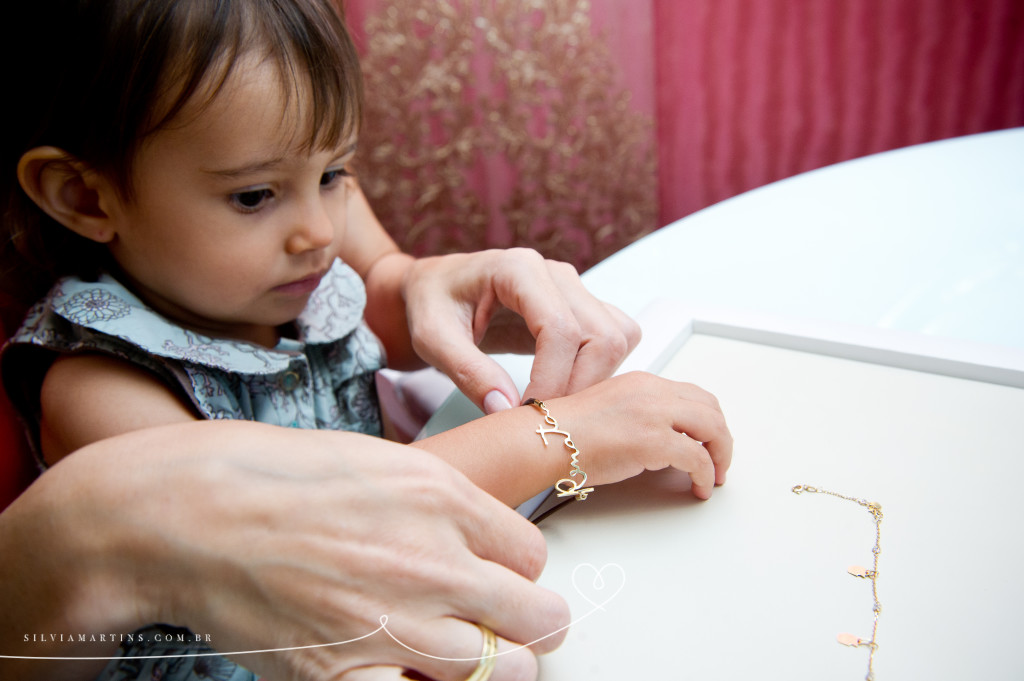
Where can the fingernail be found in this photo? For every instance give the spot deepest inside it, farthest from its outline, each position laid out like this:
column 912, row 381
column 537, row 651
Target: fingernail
column 496, row 401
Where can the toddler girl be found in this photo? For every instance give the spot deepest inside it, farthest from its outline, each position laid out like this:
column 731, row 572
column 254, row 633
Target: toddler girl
column 185, row 211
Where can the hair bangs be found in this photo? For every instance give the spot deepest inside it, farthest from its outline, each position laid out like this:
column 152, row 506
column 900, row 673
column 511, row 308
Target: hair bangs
column 317, row 59
column 304, row 39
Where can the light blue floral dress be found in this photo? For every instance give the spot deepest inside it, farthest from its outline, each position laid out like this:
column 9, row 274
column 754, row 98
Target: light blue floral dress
column 323, row 379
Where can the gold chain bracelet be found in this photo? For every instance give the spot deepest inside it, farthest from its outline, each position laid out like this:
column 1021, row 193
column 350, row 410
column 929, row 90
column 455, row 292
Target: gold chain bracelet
column 875, row 509
column 566, row 487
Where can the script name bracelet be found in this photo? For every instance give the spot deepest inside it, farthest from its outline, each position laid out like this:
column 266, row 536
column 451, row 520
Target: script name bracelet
column 576, row 483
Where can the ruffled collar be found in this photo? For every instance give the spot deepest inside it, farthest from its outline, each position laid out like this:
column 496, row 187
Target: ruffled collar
column 106, row 306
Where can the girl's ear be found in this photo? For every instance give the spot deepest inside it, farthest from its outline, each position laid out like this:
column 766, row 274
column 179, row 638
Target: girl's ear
column 68, row 191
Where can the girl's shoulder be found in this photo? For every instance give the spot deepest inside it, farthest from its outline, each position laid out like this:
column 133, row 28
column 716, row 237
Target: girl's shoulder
column 77, row 314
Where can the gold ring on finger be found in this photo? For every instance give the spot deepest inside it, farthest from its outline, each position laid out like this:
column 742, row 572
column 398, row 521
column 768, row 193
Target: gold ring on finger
column 488, row 657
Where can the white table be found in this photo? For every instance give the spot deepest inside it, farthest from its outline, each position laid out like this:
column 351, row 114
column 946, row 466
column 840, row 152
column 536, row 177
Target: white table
column 923, row 245
column 928, row 239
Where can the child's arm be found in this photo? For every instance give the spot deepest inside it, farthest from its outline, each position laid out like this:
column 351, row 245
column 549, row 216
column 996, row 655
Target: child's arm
column 97, row 397
column 621, row 427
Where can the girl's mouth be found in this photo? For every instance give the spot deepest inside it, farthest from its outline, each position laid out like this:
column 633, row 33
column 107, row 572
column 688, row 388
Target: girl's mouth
column 300, row 287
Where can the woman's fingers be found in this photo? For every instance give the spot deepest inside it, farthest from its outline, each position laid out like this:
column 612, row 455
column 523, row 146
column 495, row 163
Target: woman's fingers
column 451, row 302
column 493, row 591
column 464, row 305
column 607, row 335
column 451, row 649
column 374, row 673
column 507, row 661
column 518, row 611
column 496, row 533
column 578, row 340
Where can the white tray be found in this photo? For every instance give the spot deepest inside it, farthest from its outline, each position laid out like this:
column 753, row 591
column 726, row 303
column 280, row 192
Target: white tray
column 753, row 583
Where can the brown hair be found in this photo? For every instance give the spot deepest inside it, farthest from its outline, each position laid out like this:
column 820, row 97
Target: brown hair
column 96, row 77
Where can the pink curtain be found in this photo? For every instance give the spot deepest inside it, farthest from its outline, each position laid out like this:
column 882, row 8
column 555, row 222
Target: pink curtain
column 576, row 126
column 752, row 92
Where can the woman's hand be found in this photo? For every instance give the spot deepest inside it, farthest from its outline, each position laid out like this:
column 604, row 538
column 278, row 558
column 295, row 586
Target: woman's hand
column 450, row 310
column 462, row 306
column 267, row 538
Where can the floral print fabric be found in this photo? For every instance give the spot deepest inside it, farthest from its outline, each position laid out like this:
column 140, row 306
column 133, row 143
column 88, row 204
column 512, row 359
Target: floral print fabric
column 324, row 379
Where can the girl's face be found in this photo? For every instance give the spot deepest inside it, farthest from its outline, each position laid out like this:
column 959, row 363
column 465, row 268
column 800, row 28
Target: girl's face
column 233, row 223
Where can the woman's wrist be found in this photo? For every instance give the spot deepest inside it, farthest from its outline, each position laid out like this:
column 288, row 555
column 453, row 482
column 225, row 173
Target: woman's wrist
column 385, row 310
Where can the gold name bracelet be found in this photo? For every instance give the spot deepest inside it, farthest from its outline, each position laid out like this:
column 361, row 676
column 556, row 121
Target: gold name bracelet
column 566, row 487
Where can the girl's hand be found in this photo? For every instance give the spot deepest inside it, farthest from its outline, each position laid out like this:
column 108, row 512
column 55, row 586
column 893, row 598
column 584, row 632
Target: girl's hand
column 639, row 421
column 268, row 538
column 462, row 306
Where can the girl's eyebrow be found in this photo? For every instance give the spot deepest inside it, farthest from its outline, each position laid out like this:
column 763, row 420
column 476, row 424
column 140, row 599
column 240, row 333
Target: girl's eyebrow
column 264, row 165
column 248, row 168
column 348, row 151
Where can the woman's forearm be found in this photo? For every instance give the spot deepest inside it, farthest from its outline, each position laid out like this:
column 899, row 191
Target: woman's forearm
column 385, row 310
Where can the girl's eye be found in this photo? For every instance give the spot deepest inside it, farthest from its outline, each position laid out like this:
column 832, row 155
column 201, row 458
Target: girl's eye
column 332, row 176
column 252, row 200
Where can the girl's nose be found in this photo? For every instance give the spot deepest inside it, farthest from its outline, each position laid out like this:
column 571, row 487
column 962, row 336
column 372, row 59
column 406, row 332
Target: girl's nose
column 313, row 230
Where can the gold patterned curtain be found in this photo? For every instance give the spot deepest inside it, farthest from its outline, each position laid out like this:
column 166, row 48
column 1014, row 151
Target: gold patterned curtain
column 497, row 123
